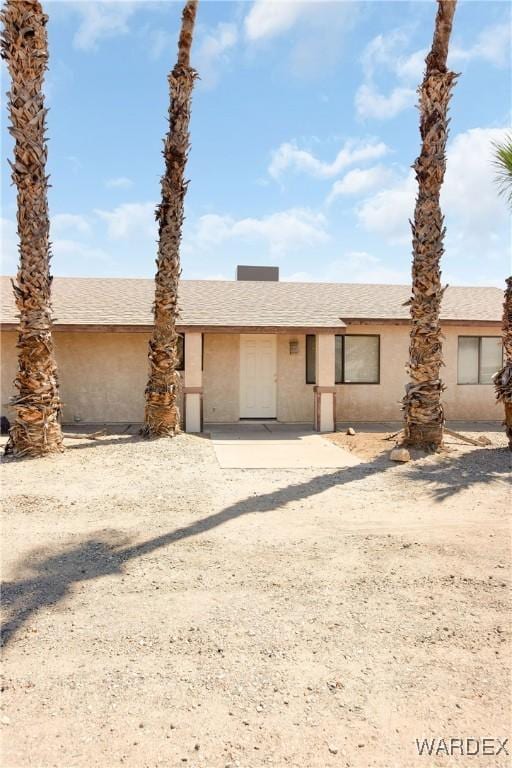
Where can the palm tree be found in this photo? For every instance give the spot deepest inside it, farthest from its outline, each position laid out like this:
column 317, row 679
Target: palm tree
column 161, row 414
column 503, row 163
column 503, row 379
column 424, row 417
column 36, row 430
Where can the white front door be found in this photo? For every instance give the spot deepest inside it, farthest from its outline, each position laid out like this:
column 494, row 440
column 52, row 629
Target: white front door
column 258, row 376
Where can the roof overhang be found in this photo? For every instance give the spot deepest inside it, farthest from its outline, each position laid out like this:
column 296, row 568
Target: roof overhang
column 95, row 328
column 406, row 321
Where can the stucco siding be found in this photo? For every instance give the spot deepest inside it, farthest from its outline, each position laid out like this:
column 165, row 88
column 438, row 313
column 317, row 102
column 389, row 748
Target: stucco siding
column 221, row 377
column 8, row 365
column 466, row 401
column 103, row 376
column 376, row 402
column 294, row 396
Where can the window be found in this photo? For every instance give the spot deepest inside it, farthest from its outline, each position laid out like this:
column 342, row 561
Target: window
column 338, row 359
column 479, row 358
column 361, row 359
column 310, row 359
column 357, row 359
column 181, row 353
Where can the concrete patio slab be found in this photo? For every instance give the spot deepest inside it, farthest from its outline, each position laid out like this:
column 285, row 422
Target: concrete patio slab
column 276, row 446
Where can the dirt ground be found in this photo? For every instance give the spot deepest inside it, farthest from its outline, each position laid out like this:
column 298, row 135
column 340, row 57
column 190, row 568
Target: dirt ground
column 160, row 611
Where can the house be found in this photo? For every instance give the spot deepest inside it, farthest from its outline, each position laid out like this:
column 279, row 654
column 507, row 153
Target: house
column 259, row 348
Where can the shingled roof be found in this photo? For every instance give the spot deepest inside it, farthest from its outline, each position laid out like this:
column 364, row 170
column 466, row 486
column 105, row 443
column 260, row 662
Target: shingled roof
column 232, row 304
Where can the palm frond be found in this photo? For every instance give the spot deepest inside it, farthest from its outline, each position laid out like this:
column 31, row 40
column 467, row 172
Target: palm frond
column 503, row 165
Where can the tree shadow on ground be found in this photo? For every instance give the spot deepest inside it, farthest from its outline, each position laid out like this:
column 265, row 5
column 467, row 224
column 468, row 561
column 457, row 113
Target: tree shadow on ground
column 46, row 577
column 478, row 467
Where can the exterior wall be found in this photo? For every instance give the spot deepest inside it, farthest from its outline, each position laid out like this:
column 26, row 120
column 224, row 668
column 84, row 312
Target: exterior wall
column 221, row 377
column 377, row 402
column 103, row 376
column 294, row 397
column 380, row 402
column 8, row 367
column 467, row 401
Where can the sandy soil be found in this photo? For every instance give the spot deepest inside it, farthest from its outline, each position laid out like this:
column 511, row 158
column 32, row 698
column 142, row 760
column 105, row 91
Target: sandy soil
column 160, row 611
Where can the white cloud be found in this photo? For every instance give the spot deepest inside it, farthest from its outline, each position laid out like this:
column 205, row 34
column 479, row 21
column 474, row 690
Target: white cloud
column 383, row 54
column 353, row 267
column 281, row 231
column 130, row 220
column 213, row 52
column 159, row 41
column 492, row 45
column 76, row 255
column 101, row 21
column 388, row 212
column 268, row 18
column 63, row 222
column 119, row 182
column 359, row 180
column 288, row 155
column 387, row 53
column 411, row 68
column 370, row 102
column 318, row 41
column 476, row 216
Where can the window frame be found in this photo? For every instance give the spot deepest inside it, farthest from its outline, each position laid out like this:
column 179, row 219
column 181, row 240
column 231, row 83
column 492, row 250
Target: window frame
column 306, row 358
column 182, row 336
column 476, row 383
column 359, row 383
column 340, row 336
column 343, row 336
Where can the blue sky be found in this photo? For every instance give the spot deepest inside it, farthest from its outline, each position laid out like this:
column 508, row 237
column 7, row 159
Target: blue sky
column 304, row 128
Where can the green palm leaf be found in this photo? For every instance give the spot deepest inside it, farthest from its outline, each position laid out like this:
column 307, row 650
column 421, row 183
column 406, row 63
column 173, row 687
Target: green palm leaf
column 503, row 163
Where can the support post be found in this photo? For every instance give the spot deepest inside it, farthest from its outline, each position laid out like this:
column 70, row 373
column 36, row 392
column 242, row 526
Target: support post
column 325, row 390
column 193, row 383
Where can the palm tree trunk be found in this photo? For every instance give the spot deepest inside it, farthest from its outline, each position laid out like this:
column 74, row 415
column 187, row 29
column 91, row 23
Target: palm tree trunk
column 503, row 379
column 161, row 414
column 424, row 417
column 36, row 430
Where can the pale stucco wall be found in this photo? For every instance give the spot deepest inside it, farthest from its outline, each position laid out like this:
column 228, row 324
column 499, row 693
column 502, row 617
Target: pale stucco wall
column 221, row 377
column 294, row 396
column 7, row 370
column 103, row 376
column 375, row 402
column 466, row 401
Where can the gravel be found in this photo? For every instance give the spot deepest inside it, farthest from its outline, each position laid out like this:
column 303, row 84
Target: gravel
column 161, row 611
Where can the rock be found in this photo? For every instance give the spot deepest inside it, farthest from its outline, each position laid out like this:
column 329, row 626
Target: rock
column 400, row 454
column 483, row 440
column 351, row 431
column 332, row 749
column 6, row 720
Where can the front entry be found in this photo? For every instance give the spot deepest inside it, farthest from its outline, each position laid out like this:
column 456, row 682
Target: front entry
column 258, row 376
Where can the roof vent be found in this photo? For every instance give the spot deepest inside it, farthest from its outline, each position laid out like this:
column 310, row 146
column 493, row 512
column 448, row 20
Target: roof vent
column 257, row 273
